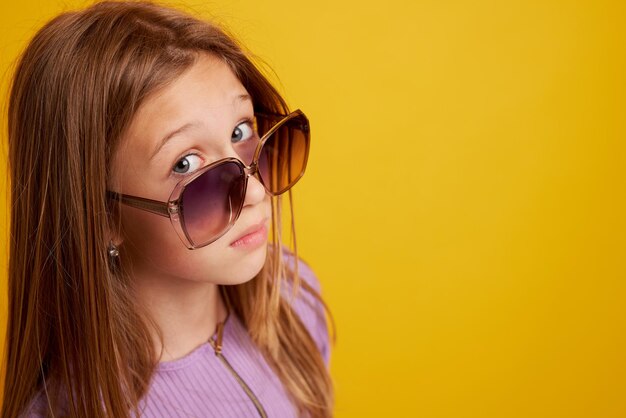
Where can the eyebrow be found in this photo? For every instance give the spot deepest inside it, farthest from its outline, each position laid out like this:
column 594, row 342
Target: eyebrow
column 237, row 99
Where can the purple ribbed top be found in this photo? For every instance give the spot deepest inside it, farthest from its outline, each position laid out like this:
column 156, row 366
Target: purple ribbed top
column 202, row 384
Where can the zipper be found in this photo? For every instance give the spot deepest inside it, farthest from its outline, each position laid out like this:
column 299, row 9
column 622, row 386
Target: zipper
column 217, row 347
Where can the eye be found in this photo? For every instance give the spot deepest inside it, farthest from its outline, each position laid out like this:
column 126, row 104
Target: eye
column 243, row 131
column 187, row 164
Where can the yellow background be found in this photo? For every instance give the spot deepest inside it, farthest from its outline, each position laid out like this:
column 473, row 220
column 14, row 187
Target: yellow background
column 464, row 204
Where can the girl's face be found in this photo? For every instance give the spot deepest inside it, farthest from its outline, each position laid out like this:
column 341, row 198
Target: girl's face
column 215, row 112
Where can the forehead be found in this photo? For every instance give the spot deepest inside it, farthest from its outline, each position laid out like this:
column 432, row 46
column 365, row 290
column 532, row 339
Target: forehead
column 207, row 91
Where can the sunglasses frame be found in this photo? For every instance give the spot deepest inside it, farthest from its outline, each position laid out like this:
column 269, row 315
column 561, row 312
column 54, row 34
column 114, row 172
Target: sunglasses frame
column 172, row 208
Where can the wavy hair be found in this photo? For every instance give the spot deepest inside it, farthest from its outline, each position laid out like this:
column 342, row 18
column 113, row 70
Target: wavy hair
column 74, row 92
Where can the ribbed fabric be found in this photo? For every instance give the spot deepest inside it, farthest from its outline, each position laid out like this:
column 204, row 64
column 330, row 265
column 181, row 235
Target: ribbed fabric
column 200, row 385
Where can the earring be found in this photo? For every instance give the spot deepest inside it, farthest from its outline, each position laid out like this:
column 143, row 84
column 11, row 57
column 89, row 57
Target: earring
column 113, row 250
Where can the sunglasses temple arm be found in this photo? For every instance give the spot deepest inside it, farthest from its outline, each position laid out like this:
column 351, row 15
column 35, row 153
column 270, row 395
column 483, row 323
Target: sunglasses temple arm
column 153, row 206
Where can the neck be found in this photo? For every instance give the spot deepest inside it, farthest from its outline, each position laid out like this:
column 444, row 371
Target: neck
column 186, row 311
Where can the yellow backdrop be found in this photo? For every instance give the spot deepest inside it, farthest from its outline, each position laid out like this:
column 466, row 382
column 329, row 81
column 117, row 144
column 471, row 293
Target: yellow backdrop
column 465, row 197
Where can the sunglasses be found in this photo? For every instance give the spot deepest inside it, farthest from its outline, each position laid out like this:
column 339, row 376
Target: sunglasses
column 205, row 205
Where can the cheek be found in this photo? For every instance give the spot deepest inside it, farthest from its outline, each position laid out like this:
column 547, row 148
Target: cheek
column 152, row 247
column 149, row 238
column 140, row 227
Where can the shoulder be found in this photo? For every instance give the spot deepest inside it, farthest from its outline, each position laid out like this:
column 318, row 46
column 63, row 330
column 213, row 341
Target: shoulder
column 307, row 306
column 40, row 406
column 37, row 407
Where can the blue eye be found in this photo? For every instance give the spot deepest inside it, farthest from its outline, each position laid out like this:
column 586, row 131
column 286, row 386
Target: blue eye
column 187, row 164
column 243, row 131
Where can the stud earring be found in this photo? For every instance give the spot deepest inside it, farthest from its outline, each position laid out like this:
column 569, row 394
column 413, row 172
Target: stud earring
column 113, row 250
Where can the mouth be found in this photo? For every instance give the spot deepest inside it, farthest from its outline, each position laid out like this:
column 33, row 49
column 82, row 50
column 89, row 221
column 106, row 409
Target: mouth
column 254, row 234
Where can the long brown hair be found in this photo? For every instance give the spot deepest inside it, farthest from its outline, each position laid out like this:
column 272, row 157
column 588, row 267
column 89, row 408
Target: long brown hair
column 75, row 90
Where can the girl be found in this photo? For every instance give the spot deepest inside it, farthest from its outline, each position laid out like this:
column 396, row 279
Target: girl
column 147, row 158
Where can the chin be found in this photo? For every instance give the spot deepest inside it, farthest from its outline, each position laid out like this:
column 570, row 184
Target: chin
column 246, row 265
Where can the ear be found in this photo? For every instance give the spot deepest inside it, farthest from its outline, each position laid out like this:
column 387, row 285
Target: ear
column 114, row 231
column 116, row 239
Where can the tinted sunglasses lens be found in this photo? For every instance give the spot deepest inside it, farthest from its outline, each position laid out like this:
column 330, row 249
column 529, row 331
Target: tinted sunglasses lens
column 245, row 149
column 212, row 201
column 283, row 158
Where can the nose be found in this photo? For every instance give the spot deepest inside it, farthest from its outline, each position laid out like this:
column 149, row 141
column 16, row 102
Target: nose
column 255, row 191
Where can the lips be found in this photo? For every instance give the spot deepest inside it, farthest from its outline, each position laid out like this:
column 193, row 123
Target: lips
column 250, row 229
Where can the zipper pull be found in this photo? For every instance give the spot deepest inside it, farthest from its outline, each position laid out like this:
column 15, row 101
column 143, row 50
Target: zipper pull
column 218, row 345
